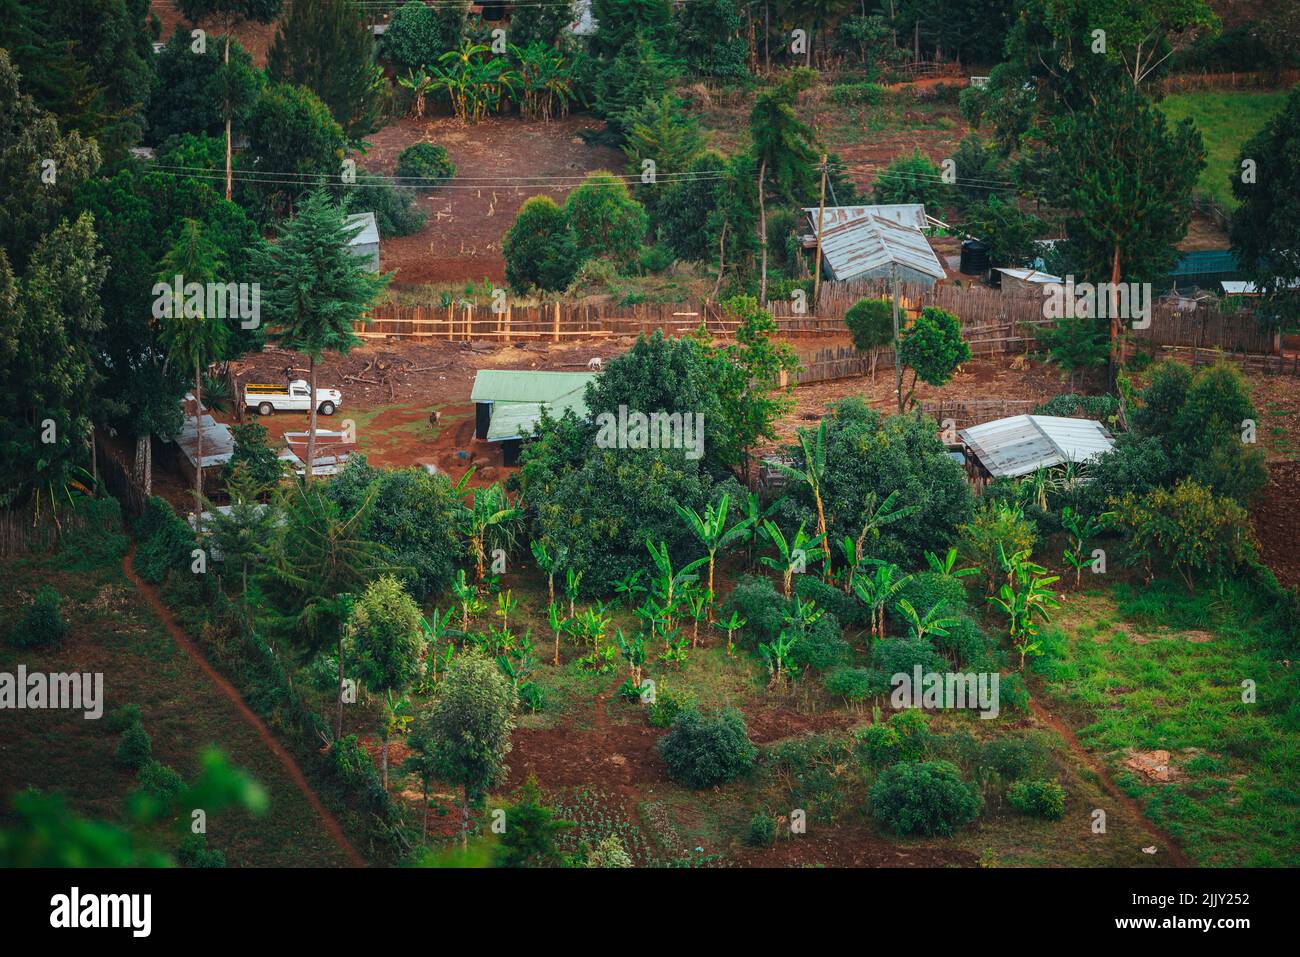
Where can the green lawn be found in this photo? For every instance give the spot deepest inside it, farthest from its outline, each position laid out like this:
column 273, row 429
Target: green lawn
column 1156, row 669
column 1226, row 121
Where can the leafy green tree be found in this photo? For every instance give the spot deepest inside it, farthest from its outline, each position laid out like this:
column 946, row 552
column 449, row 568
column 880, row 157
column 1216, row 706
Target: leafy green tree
column 241, row 533
column 327, row 46
column 663, row 132
column 932, row 347
column 686, row 206
column 1266, row 226
column 1012, row 235
column 623, row 80
column 317, row 561
column 469, row 725
column 912, row 179
column 925, row 798
column 540, row 23
column 625, row 23
column 385, row 630
column 292, row 132
column 871, row 326
column 531, row 830
column 605, row 219
column 538, row 247
column 419, row 34
column 317, row 290
column 711, row 36
column 195, row 90
column 1075, row 345
column 704, row 751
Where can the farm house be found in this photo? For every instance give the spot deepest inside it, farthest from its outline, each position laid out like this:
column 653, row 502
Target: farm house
column 874, row 242
column 508, row 403
column 1021, row 444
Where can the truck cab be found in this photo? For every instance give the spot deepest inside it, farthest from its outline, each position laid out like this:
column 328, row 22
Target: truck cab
column 296, row 397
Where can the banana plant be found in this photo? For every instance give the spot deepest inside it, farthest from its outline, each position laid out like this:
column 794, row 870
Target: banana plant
column 435, row 632
column 628, row 587
column 1081, row 530
column 419, row 85
column 488, row 512
column 812, row 476
column 700, row 606
column 793, row 555
column 710, row 529
column 779, row 657
column 559, row 625
column 633, row 652
column 397, row 718
column 666, row 584
column 733, row 625
column 549, row 562
column 1025, row 599
column 572, row 582
column 876, row 591
column 470, row 602
column 933, row 622
column 506, row 603
column 947, row 566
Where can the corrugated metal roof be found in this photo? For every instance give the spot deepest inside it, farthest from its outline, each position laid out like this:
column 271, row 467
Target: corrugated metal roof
column 905, row 214
column 368, row 235
column 1029, row 275
column 853, row 246
column 1023, row 443
column 218, row 443
column 518, row 396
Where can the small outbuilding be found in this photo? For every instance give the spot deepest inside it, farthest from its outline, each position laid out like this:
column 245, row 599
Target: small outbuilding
column 1022, row 444
column 508, row 403
column 1019, row 281
column 365, row 241
column 874, row 242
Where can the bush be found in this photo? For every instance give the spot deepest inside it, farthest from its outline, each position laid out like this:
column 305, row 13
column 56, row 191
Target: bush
column 871, row 323
column 96, row 539
column 997, row 529
column 42, row 625
column 762, row 830
column 425, row 164
column 119, row 719
column 904, row 737
column 161, row 782
column 538, row 247
column 756, row 600
column 194, row 852
column 1045, row 799
column 706, row 750
column 846, row 608
column 857, row 94
column 925, row 798
column 911, row 179
column 605, row 219
column 164, row 540
column 965, row 642
column 668, row 704
column 352, row 763
column 1014, row 758
column 134, row 749
column 821, row 646
column 892, row 656
column 654, row 259
column 926, row 589
column 856, row 684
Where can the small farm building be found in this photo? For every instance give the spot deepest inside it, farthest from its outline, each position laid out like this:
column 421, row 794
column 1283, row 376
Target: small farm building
column 365, row 243
column 871, row 242
column 1022, row 444
column 508, row 403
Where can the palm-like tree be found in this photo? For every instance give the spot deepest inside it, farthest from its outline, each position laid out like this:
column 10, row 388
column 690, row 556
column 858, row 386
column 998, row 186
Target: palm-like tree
column 488, row 512
column 933, row 622
column 667, row 584
column 793, row 554
column 1025, row 599
column 876, row 591
column 812, row 475
column 712, row 532
column 549, row 562
column 419, row 84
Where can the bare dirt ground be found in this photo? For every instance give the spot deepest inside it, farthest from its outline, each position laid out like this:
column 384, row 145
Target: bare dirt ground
column 254, row 37
column 469, row 216
column 1277, row 523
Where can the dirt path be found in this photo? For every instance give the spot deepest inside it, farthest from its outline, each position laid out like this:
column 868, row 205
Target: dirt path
column 228, row 690
column 1067, row 734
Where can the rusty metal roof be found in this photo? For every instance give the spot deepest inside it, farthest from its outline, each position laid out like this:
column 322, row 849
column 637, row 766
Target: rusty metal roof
column 1022, row 444
column 857, row 240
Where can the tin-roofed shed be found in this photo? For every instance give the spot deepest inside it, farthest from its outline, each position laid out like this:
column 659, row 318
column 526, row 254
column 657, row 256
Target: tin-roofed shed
column 871, row 242
column 1022, row 444
column 365, row 242
column 509, row 402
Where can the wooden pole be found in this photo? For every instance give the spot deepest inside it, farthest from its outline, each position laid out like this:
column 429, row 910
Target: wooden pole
column 898, row 366
column 821, row 221
column 556, row 328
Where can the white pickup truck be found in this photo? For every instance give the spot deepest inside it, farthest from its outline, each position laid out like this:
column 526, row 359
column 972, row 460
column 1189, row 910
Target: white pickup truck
column 276, row 398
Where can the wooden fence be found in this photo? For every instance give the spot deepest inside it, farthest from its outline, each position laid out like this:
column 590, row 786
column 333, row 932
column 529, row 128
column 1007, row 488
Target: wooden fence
column 1184, row 82
column 118, row 480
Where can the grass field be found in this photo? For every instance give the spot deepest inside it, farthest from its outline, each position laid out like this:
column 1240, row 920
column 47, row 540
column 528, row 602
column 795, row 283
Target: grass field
column 1155, row 668
column 1226, row 119
column 111, row 631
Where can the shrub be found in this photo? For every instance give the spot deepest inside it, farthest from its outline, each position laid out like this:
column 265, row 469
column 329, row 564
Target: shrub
column 161, row 782
column 164, row 541
column 1045, row 799
column 1013, row 693
column 965, row 642
column 352, row 763
column 654, row 259
column 871, row 323
column 893, row 656
column 134, row 749
column 605, row 219
column 904, row 737
column 668, row 704
column 757, row 601
column 856, row 684
column 846, row 608
column 261, row 464
column 857, row 93
column 42, row 625
column 762, row 830
column 926, row 589
column 538, row 247
column 926, row 798
column 425, row 164
column 821, row 646
column 706, row 750
column 911, row 179
column 194, row 852
column 119, row 719
column 609, row 853
column 1013, row 758
column 997, row 529
column 96, row 539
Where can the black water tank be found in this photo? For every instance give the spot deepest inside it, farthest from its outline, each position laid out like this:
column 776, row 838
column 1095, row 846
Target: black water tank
column 974, row 257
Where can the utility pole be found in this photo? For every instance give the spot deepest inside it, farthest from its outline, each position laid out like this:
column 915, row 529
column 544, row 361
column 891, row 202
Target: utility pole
column 898, row 366
column 821, row 212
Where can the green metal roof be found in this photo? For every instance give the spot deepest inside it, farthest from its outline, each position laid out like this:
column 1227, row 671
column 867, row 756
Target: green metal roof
column 1202, row 262
column 526, row 385
column 518, row 396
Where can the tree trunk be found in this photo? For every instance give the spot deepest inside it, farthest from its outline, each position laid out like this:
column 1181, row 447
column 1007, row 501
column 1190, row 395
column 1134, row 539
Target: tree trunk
column 311, row 433
column 198, row 433
column 424, row 823
column 229, row 164
column 338, row 721
column 1114, row 319
column 722, row 256
column 762, row 235
column 767, row 33
column 464, row 819
column 383, row 765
